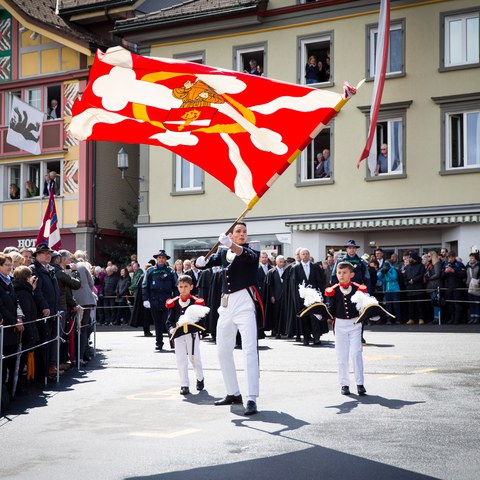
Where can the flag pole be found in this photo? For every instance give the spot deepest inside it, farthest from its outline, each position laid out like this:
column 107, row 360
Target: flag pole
column 348, row 92
column 230, row 230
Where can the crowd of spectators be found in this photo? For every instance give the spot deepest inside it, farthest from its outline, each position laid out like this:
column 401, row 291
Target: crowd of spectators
column 61, row 288
column 433, row 287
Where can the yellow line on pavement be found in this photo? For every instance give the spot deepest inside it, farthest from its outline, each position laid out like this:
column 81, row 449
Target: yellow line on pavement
column 426, row 370
column 168, row 394
column 180, row 433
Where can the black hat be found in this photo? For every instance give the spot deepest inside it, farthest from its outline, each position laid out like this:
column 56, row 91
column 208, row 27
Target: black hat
column 42, row 248
column 161, row 253
column 318, row 309
column 186, row 328
column 414, row 256
column 351, row 243
column 371, row 311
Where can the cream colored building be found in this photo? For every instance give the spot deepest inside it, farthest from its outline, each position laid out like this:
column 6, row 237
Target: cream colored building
column 430, row 118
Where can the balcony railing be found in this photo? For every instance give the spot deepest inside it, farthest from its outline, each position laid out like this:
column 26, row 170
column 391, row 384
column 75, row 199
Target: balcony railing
column 51, row 139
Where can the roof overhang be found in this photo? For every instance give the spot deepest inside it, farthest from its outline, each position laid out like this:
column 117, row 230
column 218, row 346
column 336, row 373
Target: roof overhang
column 62, row 38
column 392, row 219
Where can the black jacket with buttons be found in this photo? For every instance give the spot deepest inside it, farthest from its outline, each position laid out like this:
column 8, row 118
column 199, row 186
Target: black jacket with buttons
column 241, row 273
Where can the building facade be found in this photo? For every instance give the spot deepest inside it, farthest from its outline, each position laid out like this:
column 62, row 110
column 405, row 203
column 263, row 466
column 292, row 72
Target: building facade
column 44, row 57
column 426, row 193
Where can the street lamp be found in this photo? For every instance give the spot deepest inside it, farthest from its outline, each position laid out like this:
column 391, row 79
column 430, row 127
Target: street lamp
column 122, row 161
column 122, row 165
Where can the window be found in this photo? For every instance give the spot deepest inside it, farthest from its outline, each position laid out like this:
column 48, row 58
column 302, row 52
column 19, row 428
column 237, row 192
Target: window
column 461, row 39
column 388, row 159
column 39, row 98
column 250, row 59
column 33, row 96
column 188, row 177
column 315, row 163
column 460, row 116
column 389, row 142
column 8, row 104
column 463, row 140
column 195, row 57
column 396, row 50
column 14, row 182
column 39, row 55
column 27, row 180
column 316, row 65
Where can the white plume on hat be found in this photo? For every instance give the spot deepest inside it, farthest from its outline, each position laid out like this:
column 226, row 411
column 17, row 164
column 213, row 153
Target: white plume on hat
column 310, row 295
column 193, row 314
column 363, row 300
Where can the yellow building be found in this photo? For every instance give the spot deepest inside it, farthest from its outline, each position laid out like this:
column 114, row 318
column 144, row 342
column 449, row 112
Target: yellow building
column 426, row 194
column 44, row 58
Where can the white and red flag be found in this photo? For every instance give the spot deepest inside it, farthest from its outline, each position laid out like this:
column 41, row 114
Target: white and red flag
column 381, row 59
column 49, row 233
column 24, row 126
column 242, row 129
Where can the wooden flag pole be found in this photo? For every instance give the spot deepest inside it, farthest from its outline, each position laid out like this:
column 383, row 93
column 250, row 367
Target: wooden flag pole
column 230, row 230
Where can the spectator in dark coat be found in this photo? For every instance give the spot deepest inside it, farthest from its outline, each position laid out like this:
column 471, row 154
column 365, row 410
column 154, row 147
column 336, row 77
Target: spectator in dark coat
column 109, row 293
column 12, row 318
column 414, row 277
column 454, row 274
column 66, row 304
column 24, row 283
column 47, row 296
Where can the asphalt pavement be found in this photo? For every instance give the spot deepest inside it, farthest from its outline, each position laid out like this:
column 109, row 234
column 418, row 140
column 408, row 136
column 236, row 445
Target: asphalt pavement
column 122, row 417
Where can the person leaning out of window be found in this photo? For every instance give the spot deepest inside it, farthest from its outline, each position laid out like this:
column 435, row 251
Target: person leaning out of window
column 31, row 190
column 14, row 192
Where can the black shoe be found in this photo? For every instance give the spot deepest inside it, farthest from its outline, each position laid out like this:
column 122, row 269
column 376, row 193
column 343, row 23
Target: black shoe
column 159, row 348
column 229, row 400
column 345, row 390
column 318, row 342
column 200, row 385
column 148, row 334
column 184, row 390
column 305, row 341
column 251, row 408
column 363, row 340
column 361, row 390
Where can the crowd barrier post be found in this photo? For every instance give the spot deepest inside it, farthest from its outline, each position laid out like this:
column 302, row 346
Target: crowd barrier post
column 439, row 292
column 1, row 365
column 93, row 313
column 58, row 345
column 79, row 334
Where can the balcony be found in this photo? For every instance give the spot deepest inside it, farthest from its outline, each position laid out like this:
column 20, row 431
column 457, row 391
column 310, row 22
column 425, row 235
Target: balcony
column 51, row 139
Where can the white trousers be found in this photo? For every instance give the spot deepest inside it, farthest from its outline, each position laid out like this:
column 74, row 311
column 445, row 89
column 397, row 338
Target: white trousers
column 348, row 343
column 238, row 315
column 183, row 352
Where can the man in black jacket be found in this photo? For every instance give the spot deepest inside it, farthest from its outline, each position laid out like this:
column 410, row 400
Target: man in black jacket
column 47, row 297
column 66, row 304
column 313, row 276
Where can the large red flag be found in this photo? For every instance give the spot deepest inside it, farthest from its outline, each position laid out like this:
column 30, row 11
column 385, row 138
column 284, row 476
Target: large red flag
column 381, row 58
column 243, row 129
column 49, row 232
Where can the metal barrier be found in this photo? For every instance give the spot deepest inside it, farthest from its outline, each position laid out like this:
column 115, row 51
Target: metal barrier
column 76, row 323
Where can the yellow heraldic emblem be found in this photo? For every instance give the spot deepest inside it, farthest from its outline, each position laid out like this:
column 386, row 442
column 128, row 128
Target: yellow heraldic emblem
column 195, row 112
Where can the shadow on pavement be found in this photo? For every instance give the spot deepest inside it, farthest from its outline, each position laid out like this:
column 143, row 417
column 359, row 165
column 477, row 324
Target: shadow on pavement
column 390, row 403
column 36, row 394
column 308, row 464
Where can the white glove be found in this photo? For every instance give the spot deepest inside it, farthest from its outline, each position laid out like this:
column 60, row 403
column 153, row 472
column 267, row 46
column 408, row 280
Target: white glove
column 200, row 262
column 225, row 240
column 146, row 304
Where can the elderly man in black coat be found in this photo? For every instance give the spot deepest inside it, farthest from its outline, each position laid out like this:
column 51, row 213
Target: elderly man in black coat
column 47, row 298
